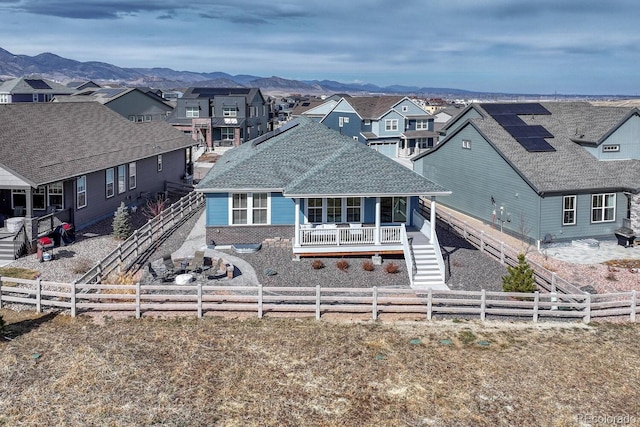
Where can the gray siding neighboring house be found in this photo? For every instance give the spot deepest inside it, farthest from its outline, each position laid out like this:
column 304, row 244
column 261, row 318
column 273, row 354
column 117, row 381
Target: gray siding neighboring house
column 31, row 89
column 580, row 183
column 221, row 116
column 84, row 158
column 132, row 103
column 392, row 125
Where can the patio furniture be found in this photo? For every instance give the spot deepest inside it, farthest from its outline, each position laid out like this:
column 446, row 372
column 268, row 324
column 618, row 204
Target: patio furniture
column 170, row 268
column 197, row 264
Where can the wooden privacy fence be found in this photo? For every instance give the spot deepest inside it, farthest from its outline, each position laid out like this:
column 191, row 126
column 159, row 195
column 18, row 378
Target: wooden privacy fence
column 132, row 250
column 498, row 250
column 200, row 299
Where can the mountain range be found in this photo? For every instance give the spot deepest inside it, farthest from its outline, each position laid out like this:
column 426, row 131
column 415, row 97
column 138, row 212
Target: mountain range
column 54, row 67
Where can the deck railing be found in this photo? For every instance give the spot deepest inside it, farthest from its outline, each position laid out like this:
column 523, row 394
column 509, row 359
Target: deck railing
column 338, row 236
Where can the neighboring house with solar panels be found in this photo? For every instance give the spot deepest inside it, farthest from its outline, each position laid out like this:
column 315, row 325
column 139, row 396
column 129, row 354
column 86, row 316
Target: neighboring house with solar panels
column 324, row 194
column 221, row 116
column 132, row 103
column 81, row 160
column 392, row 125
column 28, row 89
column 555, row 171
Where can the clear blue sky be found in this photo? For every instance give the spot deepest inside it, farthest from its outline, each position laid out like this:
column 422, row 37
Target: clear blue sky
column 541, row 46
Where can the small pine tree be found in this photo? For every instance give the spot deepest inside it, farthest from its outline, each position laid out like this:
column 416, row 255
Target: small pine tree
column 121, row 223
column 519, row 278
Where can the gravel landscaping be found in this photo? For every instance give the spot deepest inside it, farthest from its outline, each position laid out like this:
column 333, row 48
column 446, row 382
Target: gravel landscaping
column 466, row 267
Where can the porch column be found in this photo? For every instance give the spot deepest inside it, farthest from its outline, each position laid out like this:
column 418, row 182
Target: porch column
column 433, row 219
column 28, row 213
column 296, row 221
column 376, row 234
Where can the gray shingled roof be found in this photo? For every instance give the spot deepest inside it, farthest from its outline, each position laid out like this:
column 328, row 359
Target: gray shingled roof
column 310, row 159
column 20, row 85
column 373, row 107
column 48, row 142
column 570, row 167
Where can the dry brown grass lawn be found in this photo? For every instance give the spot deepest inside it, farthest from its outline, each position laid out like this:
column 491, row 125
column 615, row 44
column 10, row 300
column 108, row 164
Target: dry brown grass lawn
column 61, row 371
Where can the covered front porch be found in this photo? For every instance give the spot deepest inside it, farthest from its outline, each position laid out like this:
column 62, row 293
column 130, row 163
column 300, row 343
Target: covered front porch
column 387, row 233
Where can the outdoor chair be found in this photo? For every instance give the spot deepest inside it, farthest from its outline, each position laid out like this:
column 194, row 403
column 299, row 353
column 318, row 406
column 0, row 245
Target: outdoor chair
column 197, row 264
column 170, row 268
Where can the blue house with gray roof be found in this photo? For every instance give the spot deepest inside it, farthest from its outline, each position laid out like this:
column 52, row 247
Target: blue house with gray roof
column 393, row 125
column 544, row 172
column 326, row 194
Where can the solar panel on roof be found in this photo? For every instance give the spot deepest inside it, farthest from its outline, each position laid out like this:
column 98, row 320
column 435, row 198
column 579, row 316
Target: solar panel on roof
column 535, row 144
column 531, row 137
column 533, row 131
column 37, row 84
column 509, row 120
column 516, row 108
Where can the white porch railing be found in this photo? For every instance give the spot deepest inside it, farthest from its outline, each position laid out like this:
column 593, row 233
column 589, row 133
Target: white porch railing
column 339, row 236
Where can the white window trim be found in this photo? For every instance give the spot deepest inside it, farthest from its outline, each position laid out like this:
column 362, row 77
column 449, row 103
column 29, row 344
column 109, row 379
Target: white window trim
column 49, row 194
column 192, row 112
column 78, row 192
column 229, row 112
column 343, row 210
column 405, row 108
column 39, row 192
column 422, row 124
column 603, row 208
column 565, row 210
column 391, row 125
column 121, row 179
column 133, row 175
column 466, row 144
column 17, row 191
column 249, row 209
column 113, row 182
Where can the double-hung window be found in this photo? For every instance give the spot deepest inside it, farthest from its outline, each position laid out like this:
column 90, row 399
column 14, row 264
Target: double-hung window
column 314, row 210
column 354, row 209
column 334, row 210
column 122, row 183
column 39, row 196
column 603, row 207
column 55, row 193
column 422, row 124
column 259, row 202
column 391, row 125
column 249, row 208
column 110, row 182
column 569, row 210
column 226, row 133
column 229, row 111
column 81, row 192
column 133, row 178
